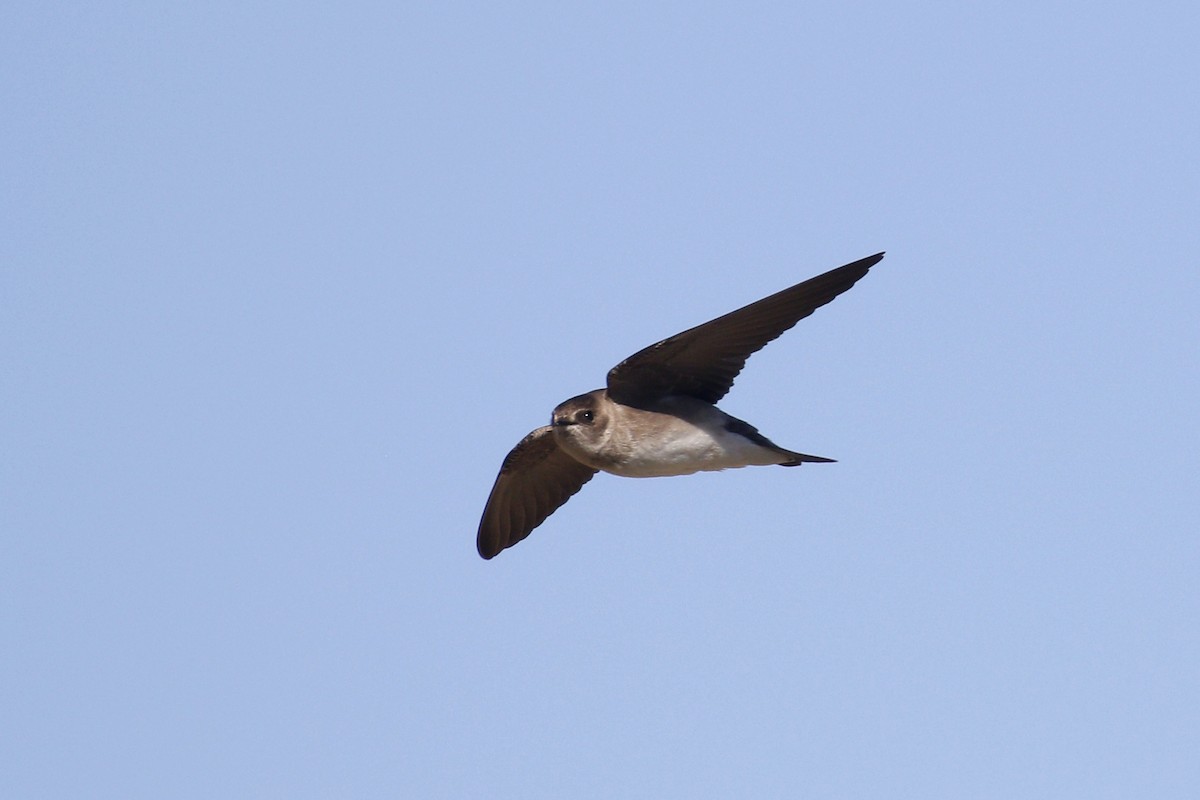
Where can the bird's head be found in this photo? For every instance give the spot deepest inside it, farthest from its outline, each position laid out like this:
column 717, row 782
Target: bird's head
column 580, row 420
column 585, row 410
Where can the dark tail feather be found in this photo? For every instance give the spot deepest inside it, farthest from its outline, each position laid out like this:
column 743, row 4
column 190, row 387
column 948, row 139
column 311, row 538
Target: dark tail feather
column 800, row 458
column 750, row 432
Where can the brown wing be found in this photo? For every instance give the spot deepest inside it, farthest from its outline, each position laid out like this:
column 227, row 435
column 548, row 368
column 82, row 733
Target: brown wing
column 703, row 361
column 535, row 479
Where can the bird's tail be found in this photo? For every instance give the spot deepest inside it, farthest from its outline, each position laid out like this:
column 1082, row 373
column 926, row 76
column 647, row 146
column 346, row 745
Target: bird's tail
column 791, row 459
column 796, row 459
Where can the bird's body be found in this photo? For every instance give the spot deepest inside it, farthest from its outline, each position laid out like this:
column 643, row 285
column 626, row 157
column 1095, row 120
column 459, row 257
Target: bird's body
column 657, row 415
column 677, row 435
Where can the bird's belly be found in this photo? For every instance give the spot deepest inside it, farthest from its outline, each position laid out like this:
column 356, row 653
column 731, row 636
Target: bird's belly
column 695, row 450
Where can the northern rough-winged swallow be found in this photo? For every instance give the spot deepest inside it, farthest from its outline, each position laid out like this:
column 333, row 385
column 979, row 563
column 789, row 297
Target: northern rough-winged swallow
column 656, row 417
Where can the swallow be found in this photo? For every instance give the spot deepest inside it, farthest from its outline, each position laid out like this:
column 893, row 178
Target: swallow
column 656, row 416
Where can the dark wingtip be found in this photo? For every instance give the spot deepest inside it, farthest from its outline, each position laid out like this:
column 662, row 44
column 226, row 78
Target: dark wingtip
column 487, row 549
column 850, row 273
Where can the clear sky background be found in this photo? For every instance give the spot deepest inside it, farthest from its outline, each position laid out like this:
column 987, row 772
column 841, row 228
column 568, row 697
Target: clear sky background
column 281, row 284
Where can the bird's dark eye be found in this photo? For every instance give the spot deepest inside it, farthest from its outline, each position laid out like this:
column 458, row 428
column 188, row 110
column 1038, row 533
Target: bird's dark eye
column 585, row 416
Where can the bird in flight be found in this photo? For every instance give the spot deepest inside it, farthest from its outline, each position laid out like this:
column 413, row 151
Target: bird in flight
column 656, row 416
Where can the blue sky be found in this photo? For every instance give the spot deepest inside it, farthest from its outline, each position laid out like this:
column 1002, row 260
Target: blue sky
column 281, row 284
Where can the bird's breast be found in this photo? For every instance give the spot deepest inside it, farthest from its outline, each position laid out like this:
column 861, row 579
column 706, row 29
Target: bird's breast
column 670, row 445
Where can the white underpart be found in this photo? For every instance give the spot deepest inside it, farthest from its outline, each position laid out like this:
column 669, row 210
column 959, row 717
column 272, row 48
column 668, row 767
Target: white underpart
column 690, row 447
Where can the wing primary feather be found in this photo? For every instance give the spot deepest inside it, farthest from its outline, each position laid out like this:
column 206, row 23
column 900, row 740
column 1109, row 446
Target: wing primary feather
column 703, row 361
column 536, row 477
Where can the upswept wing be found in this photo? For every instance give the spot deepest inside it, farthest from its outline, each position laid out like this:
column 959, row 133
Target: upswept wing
column 703, row 361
